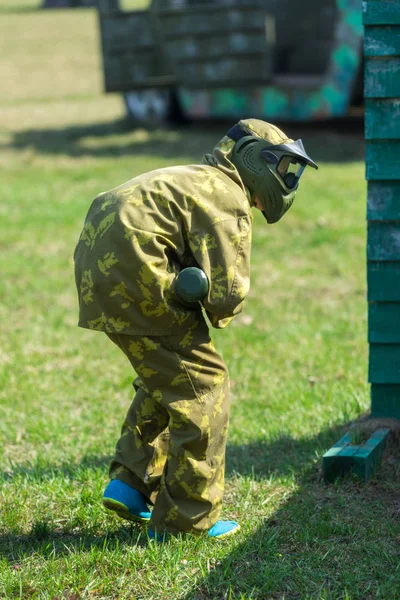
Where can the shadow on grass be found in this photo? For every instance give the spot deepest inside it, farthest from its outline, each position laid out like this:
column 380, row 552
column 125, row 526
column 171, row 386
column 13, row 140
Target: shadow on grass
column 47, row 537
column 283, row 456
column 323, row 541
column 47, row 540
column 320, row 541
column 259, row 460
column 326, row 141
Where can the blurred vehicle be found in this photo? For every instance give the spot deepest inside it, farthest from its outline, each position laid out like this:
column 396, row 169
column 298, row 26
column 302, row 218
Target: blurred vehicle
column 272, row 59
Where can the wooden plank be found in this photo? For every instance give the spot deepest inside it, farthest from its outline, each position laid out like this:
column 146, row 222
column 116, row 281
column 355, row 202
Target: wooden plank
column 383, row 281
column 379, row 12
column 383, row 240
column 338, row 447
column 384, row 322
column 199, row 20
column 382, row 77
column 362, row 460
column 225, row 45
column 368, row 457
column 382, row 41
column 332, row 467
column 382, row 118
column 131, row 58
column 385, row 401
column 383, row 202
column 384, row 363
column 126, row 30
column 349, row 451
column 382, row 157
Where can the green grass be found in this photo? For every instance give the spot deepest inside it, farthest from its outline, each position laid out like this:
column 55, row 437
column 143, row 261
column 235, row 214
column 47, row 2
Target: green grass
column 9, row 6
column 297, row 357
column 16, row 6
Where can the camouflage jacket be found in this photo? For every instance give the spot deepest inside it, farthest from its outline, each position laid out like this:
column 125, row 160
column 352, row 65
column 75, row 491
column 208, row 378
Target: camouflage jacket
column 139, row 235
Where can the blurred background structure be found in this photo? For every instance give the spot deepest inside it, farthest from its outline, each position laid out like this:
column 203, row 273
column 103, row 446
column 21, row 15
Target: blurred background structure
column 68, row 3
column 271, row 59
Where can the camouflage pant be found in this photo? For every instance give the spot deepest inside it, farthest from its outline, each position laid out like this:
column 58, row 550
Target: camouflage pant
column 172, row 444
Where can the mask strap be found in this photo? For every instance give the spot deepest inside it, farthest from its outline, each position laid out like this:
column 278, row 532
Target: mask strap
column 236, row 133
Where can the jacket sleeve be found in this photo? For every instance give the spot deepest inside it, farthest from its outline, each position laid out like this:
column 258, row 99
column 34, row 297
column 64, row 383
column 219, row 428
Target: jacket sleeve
column 223, row 253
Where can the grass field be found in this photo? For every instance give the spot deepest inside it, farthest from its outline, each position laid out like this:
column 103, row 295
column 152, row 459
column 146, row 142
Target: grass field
column 297, row 357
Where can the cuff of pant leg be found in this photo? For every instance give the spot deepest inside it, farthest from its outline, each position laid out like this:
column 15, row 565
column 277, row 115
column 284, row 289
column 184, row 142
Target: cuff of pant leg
column 160, row 529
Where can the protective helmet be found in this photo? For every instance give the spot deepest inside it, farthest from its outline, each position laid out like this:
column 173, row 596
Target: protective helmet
column 269, row 164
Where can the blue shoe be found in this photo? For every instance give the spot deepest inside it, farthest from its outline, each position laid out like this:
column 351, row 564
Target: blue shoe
column 223, row 529
column 127, row 502
column 157, row 537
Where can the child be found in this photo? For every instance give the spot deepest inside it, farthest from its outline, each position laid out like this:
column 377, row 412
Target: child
column 136, row 239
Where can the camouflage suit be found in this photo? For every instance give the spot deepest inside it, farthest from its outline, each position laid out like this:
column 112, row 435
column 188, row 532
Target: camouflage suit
column 135, row 240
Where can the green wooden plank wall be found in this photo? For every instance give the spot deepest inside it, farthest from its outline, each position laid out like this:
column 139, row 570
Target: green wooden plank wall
column 383, row 200
column 382, row 133
column 382, row 118
column 381, row 12
column 383, row 281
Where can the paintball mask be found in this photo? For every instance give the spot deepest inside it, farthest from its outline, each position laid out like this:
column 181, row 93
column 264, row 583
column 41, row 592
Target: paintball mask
column 271, row 172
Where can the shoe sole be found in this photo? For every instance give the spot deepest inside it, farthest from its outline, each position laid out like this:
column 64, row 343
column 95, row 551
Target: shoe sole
column 223, row 536
column 122, row 511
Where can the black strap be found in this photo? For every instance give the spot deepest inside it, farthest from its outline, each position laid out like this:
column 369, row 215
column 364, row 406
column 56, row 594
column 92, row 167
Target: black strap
column 236, row 133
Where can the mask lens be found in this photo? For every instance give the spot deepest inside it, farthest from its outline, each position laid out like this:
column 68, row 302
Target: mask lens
column 290, row 169
column 290, row 179
column 283, row 165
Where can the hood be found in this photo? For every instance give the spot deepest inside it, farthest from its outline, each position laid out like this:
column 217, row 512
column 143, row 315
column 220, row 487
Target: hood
column 265, row 131
column 221, row 159
column 221, row 156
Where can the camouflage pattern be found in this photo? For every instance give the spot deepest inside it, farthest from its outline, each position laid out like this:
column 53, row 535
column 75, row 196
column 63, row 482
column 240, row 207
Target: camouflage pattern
column 138, row 236
column 179, row 417
column 135, row 240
